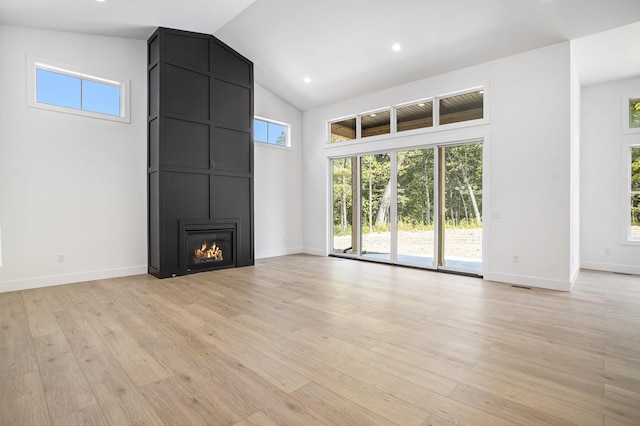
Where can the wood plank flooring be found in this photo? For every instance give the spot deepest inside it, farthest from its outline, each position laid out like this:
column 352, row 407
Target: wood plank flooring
column 302, row 340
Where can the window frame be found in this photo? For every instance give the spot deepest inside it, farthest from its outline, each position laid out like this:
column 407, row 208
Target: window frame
column 280, row 123
column 34, row 64
column 626, row 113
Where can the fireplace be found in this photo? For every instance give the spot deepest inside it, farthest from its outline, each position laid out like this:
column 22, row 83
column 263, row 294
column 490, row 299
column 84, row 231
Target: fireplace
column 207, row 245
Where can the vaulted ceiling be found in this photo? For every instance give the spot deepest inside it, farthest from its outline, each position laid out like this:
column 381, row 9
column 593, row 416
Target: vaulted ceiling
column 344, row 47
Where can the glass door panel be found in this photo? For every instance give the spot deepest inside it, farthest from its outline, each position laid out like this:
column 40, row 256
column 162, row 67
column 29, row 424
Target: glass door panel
column 375, row 202
column 416, row 207
column 345, row 239
column 460, row 210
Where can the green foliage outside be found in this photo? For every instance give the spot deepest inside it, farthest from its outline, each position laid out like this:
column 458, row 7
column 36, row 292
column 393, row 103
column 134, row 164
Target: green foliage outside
column 409, row 227
column 634, row 112
column 462, row 195
column 635, row 186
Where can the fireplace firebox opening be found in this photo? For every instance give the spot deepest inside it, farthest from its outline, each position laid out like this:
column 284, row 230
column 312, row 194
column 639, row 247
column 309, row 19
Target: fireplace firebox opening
column 207, row 246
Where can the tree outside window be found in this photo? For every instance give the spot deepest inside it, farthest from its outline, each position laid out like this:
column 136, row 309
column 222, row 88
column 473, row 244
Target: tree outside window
column 635, row 194
column 634, row 113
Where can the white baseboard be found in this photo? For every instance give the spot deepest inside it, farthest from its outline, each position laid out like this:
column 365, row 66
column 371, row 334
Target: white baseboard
column 263, row 254
column 315, row 252
column 51, row 280
column 612, row 267
column 574, row 275
column 523, row 280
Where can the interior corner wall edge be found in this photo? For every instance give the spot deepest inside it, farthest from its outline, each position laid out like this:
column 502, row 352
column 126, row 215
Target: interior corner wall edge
column 72, row 188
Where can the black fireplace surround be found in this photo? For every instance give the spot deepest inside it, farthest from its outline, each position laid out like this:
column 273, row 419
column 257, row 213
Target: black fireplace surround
column 200, row 136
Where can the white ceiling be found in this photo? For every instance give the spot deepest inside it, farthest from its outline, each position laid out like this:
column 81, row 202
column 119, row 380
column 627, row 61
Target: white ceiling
column 344, row 46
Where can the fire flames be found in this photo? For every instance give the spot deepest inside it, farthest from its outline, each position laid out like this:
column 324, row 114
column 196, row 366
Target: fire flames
column 208, row 253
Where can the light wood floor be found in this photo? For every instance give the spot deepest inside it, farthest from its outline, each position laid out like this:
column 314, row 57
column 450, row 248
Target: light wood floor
column 306, row 340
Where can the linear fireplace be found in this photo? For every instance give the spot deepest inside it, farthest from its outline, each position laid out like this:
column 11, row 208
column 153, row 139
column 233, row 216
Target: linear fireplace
column 207, row 245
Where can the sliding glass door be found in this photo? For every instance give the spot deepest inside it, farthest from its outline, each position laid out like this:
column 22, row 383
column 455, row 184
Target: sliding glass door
column 460, row 208
column 416, row 207
column 375, row 204
column 345, row 222
column 419, row 207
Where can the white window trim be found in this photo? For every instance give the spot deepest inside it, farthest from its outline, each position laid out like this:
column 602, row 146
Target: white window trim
column 34, row 64
column 626, row 124
column 273, row 145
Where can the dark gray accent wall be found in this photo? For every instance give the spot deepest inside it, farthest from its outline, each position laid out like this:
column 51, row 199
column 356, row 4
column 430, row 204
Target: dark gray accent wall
column 200, row 139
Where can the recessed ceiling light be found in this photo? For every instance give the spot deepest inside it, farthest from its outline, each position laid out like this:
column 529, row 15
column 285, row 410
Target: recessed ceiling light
column 307, row 80
column 101, row 1
column 372, row 115
column 396, row 47
column 421, row 104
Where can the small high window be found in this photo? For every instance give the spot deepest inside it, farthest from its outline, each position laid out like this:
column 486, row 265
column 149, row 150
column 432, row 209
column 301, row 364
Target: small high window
column 271, row 132
column 631, row 113
column 375, row 123
column 463, row 107
column 634, row 113
column 414, row 116
column 64, row 90
column 343, row 130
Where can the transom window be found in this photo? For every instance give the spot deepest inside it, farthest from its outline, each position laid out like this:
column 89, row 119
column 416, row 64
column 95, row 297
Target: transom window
column 375, row 123
column 634, row 113
column 439, row 111
column 64, row 90
column 631, row 113
column 271, row 132
column 414, row 116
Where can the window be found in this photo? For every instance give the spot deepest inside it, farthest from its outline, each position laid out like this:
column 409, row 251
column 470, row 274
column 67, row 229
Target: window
column 271, row 132
column 63, row 90
column 414, row 116
column 343, row 130
column 631, row 113
column 464, row 107
column 634, row 113
column 375, row 123
column 634, row 194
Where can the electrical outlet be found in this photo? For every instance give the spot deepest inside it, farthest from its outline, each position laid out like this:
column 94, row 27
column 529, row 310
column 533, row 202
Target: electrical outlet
column 61, row 258
column 607, row 251
column 516, row 258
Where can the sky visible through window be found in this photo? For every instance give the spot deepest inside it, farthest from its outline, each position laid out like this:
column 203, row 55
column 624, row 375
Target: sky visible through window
column 268, row 132
column 74, row 92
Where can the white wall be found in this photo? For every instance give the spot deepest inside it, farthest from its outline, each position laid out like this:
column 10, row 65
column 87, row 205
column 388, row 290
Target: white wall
column 603, row 157
column 278, row 184
column 527, row 161
column 70, row 185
